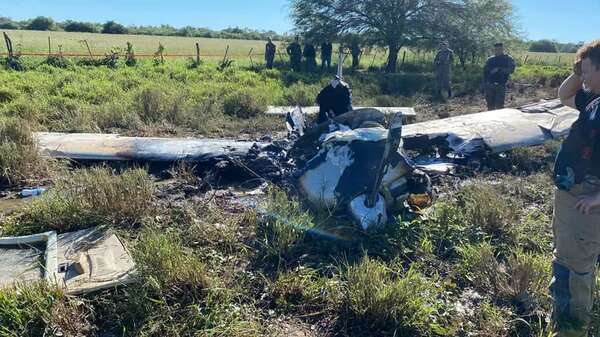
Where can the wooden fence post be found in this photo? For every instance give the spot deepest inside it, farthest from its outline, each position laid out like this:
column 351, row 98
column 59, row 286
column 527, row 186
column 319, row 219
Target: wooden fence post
column 250, row 57
column 8, row 44
column 197, row 52
column 49, row 46
column 403, row 59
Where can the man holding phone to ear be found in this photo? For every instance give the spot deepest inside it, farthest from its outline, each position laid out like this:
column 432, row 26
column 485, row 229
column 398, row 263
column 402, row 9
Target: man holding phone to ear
column 576, row 221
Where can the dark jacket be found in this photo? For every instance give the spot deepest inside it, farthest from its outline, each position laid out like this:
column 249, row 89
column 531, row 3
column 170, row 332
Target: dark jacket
column 505, row 65
column 309, row 51
column 338, row 100
column 270, row 50
column 294, row 50
column 579, row 154
column 326, row 50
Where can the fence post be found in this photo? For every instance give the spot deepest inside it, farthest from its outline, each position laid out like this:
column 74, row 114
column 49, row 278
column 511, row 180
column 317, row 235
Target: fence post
column 8, row 44
column 49, row 46
column 197, row 53
column 374, row 56
column 250, row 57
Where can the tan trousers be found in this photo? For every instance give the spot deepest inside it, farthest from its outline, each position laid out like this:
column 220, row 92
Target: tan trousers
column 576, row 250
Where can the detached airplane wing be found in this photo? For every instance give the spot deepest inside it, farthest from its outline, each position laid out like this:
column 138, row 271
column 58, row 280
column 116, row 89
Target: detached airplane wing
column 493, row 131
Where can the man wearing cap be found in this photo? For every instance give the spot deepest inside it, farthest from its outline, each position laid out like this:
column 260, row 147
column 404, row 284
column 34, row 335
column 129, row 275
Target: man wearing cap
column 496, row 73
column 334, row 100
column 326, row 51
column 270, row 53
column 294, row 50
column 443, row 69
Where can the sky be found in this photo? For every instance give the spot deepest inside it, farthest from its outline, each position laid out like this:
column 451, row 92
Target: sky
column 562, row 20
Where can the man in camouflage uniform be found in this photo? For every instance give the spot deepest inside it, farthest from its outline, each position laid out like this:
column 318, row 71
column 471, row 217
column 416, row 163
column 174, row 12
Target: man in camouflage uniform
column 443, row 69
column 270, row 50
column 496, row 73
column 294, row 50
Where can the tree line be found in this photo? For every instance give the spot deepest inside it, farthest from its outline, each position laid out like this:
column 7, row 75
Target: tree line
column 112, row 27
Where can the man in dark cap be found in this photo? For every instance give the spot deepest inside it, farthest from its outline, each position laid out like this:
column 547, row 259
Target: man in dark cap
column 294, row 50
column 496, row 73
column 310, row 56
column 326, row 50
column 270, row 50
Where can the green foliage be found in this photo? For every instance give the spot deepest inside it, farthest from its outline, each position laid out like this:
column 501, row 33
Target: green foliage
column 300, row 94
column 111, row 27
column 42, row 310
column 41, row 23
column 58, row 61
column 87, row 198
column 386, row 302
column 244, row 104
column 543, row 46
column 285, row 223
column 20, row 160
column 78, row 26
column 305, row 291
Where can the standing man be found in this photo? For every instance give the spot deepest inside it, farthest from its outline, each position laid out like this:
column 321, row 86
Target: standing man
column 294, row 50
column 443, row 69
column 355, row 51
column 496, row 72
column 270, row 50
column 576, row 222
column 326, row 50
column 310, row 56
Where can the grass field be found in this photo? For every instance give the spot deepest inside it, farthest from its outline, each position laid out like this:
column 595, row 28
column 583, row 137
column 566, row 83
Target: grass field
column 29, row 41
column 476, row 264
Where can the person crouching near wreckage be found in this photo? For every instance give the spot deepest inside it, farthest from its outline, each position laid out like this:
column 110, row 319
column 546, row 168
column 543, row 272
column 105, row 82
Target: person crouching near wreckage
column 576, row 222
column 334, row 100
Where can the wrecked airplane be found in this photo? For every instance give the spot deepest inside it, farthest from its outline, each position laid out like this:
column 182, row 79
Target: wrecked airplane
column 346, row 163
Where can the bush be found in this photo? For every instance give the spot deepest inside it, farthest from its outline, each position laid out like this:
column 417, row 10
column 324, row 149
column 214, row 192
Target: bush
column 300, row 94
column 83, row 27
column 20, row 160
column 87, row 198
column 58, row 61
column 42, row 310
column 111, row 27
column 543, row 46
column 388, row 303
column 285, row 223
column 244, row 104
column 41, row 23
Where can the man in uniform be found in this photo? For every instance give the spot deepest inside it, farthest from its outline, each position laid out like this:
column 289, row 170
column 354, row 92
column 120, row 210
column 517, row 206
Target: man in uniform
column 443, row 69
column 496, row 73
column 294, row 50
column 270, row 50
column 334, row 100
column 355, row 51
column 310, row 57
column 326, row 50
column 576, row 221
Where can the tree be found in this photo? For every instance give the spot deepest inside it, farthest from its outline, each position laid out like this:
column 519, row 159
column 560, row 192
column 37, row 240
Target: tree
column 7, row 23
column 391, row 23
column 41, row 23
column 543, row 46
column 112, row 27
column 472, row 30
column 75, row 26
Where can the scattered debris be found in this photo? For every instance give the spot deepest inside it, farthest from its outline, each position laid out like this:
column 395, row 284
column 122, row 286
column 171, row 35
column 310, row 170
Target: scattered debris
column 79, row 262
